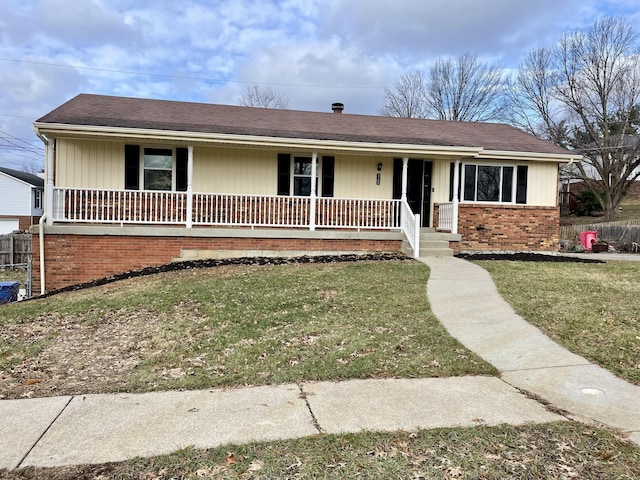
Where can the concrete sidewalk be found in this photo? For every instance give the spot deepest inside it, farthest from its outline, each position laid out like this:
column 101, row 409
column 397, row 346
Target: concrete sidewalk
column 474, row 313
column 105, row 428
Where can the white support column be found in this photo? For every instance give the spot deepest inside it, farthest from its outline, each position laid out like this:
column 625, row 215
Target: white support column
column 456, row 200
column 189, row 186
column 312, row 209
column 48, row 201
column 405, row 164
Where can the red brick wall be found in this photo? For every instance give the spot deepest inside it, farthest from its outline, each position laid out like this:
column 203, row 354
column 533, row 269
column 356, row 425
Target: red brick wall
column 519, row 228
column 73, row 259
column 509, row 228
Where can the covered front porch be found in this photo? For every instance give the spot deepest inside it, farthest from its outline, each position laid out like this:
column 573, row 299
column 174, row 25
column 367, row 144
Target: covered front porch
column 193, row 209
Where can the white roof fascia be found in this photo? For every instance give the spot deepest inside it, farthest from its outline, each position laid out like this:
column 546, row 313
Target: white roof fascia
column 528, row 156
column 255, row 140
column 52, row 129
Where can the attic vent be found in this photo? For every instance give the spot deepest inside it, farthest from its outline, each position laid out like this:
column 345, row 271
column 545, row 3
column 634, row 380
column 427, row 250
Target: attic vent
column 337, row 107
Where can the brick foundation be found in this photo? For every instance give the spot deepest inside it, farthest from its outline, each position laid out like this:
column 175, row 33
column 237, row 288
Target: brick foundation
column 507, row 228
column 72, row 259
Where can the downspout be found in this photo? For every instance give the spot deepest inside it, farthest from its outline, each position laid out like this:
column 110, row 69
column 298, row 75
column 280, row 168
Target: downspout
column 41, row 237
column 45, row 140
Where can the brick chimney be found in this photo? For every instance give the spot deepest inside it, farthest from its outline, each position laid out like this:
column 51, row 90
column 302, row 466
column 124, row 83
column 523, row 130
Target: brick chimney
column 337, row 107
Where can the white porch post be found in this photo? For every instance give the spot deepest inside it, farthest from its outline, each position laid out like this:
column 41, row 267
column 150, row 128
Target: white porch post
column 313, row 195
column 405, row 164
column 48, row 201
column 456, row 189
column 189, row 186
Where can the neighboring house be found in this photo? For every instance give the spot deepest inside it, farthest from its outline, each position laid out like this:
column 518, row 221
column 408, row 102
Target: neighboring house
column 133, row 182
column 21, row 200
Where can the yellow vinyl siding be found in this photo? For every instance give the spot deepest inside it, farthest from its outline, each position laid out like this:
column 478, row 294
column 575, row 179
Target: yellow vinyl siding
column 542, row 184
column 100, row 164
column 440, row 181
column 89, row 164
column 232, row 170
column 542, row 181
column 355, row 177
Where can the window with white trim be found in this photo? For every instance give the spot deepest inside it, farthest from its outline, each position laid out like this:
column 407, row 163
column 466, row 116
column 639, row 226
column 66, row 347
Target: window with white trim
column 37, row 199
column 294, row 175
column 494, row 183
column 301, row 177
column 157, row 168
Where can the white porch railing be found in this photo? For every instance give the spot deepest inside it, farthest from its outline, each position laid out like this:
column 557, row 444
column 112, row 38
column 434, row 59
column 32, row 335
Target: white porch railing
column 445, row 216
column 448, row 216
column 119, row 206
column 411, row 227
column 250, row 210
column 153, row 207
column 358, row 213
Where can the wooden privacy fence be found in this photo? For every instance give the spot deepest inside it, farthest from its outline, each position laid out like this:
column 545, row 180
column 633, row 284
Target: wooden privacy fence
column 15, row 248
column 624, row 231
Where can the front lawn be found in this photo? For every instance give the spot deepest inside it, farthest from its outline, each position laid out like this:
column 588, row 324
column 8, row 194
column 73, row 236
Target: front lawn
column 230, row 326
column 591, row 309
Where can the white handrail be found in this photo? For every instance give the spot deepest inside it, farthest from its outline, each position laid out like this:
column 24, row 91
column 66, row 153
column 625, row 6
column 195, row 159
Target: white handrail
column 411, row 227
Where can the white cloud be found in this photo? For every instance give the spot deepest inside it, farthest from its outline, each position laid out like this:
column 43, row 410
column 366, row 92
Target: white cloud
column 314, row 51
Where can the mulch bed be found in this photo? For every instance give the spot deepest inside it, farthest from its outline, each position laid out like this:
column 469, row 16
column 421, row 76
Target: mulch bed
column 191, row 264
column 526, row 257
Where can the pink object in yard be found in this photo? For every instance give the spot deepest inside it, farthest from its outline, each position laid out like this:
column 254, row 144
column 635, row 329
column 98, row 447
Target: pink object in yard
column 588, row 238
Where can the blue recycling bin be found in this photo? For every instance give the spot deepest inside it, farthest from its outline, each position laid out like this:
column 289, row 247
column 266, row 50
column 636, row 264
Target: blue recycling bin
column 9, row 292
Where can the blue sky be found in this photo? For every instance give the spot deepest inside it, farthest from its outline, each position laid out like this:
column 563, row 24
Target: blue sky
column 314, row 52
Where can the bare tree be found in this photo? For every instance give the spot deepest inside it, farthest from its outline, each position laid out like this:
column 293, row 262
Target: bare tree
column 584, row 94
column 460, row 89
column 406, row 98
column 263, row 96
column 465, row 89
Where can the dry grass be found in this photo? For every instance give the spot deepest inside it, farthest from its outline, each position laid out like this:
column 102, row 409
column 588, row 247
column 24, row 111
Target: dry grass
column 591, row 309
column 554, row 451
column 230, row 326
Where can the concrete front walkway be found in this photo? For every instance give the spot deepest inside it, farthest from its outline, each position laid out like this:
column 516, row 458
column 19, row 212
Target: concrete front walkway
column 105, row 428
column 465, row 299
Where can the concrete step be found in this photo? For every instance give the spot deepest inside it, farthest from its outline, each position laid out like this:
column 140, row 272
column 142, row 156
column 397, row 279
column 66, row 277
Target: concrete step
column 427, row 243
column 436, row 252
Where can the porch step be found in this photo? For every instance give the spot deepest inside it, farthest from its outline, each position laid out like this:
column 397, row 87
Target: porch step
column 432, row 244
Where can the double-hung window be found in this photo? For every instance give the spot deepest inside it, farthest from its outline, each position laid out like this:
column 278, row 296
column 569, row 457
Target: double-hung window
column 155, row 168
column 302, row 176
column 494, row 183
column 37, row 199
column 294, row 175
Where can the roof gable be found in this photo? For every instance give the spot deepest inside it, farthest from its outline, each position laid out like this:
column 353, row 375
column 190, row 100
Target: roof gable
column 29, row 178
column 123, row 112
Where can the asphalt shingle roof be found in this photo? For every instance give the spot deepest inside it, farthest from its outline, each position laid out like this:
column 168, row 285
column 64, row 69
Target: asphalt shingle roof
column 25, row 177
column 122, row 112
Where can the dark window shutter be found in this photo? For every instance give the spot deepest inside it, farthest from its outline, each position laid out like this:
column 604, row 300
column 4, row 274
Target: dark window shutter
column 521, row 184
column 328, row 169
column 397, row 178
column 182, row 155
column 284, row 169
column 132, row 167
column 452, row 171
